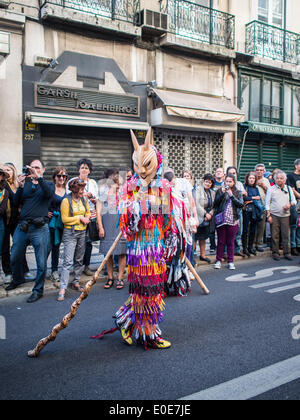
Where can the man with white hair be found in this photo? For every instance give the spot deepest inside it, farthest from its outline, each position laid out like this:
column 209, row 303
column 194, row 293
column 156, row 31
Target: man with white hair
column 279, row 200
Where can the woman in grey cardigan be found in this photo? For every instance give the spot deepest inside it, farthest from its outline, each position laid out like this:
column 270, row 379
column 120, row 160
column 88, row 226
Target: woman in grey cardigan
column 205, row 197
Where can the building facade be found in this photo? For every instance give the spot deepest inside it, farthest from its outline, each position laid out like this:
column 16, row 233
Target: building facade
column 79, row 73
column 219, row 84
column 268, row 66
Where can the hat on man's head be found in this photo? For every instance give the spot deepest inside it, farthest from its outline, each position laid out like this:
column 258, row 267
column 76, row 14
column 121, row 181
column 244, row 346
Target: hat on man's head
column 267, row 174
column 4, row 171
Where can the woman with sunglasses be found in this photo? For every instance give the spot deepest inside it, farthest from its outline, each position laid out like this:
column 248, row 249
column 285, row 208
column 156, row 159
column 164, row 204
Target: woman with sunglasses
column 56, row 227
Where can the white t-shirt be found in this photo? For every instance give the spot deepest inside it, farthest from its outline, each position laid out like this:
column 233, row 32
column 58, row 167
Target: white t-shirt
column 181, row 189
column 240, row 187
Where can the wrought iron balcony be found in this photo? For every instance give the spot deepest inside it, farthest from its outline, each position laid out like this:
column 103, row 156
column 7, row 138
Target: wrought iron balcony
column 124, row 10
column 272, row 42
column 271, row 114
column 191, row 20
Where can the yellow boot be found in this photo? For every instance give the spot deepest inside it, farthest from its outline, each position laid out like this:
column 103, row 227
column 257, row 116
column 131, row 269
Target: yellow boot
column 159, row 343
column 126, row 336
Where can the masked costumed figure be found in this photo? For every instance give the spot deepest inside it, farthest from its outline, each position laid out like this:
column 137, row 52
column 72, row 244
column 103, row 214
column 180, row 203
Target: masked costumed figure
column 147, row 221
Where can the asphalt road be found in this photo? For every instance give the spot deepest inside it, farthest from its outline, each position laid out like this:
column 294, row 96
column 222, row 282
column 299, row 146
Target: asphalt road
column 235, row 331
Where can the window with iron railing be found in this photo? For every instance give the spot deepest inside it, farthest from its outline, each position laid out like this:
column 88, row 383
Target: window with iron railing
column 271, row 12
column 269, row 101
column 272, row 42
column 125, row 10
column 195, row 20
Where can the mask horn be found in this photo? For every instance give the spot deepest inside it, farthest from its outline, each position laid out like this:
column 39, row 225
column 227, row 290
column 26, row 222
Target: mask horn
column 134, row 141
column 148, row 140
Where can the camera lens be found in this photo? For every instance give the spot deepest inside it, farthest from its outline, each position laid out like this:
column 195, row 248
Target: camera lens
column 26, row 171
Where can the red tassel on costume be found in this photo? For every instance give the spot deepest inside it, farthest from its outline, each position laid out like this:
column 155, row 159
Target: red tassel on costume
column 105, row 332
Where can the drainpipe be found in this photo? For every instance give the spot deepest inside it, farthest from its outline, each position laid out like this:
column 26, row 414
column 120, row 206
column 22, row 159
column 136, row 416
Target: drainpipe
column 242, row 151
column 285, row 27
column 235, row 99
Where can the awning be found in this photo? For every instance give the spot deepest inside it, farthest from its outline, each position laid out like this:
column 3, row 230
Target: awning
column 199, row 107
column 58, row 119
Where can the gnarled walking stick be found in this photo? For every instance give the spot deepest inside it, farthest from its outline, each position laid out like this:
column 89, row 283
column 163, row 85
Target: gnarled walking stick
column 202, row 285
column 65, row 322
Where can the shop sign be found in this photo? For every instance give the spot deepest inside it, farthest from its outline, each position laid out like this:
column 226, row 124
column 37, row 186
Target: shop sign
column 278, row 130
column 83, row 100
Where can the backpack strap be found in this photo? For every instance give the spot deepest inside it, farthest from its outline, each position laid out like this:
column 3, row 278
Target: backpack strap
column 69, row 198
column 84, row 202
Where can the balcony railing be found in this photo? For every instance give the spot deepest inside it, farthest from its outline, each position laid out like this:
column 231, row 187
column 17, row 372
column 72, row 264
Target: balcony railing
column 125, row 10
column 190, row 20
column 271, row 114
column 272, row 42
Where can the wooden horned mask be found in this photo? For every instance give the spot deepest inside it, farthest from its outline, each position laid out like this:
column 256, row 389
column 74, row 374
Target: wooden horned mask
column 144, row 159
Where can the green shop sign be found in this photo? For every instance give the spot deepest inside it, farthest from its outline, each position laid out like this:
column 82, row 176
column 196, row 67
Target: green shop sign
column 278, row 130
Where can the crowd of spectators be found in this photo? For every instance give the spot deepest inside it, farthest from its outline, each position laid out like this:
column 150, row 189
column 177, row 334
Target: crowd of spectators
column 237, row 219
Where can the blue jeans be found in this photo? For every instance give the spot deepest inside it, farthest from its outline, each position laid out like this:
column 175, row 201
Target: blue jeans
column 40, row 240
column 2, row 233
column 295, row 236
column 238, row 236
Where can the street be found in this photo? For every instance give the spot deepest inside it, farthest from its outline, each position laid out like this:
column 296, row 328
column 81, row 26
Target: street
column 245, row 333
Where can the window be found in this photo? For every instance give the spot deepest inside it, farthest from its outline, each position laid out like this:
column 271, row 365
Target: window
column 271, row 12
column 296, row 107
column 292, row 105
column 271, row 102
column 245, row 89
column 288, row 92
column 194, row 21
column 250, row 97
column 255, row 99
column 263, row 10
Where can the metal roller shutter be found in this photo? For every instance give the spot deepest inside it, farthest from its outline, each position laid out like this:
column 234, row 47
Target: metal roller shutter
column 271, row 155
column 250, row 158
column 290, row 152
column 106, row 148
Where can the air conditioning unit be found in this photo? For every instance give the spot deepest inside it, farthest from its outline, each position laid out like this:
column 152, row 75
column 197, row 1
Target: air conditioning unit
column 41, row 61
column 153, row 22
column 4, row 4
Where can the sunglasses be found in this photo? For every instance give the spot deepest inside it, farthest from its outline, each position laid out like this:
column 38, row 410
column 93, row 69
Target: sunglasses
column 61, row 176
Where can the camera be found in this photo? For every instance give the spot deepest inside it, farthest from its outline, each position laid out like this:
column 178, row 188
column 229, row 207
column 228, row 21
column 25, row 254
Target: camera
column 26, row 171
column 24, row 226
column 227, row 188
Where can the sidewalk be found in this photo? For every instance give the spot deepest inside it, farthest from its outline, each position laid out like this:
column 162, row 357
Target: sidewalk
column 96, row 260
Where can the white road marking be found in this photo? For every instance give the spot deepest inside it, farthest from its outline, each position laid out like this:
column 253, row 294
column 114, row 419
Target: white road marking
column 262, row 274
column 273, row 283
column 297, row 298
column 253, row 384
column 283, row 288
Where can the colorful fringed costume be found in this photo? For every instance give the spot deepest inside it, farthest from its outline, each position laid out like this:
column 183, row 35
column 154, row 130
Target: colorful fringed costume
column 147, row 221
column 150, row 222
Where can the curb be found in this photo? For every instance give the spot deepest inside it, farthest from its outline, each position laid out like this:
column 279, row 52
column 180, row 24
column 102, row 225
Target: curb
column 26, row 288
column 49, row 286
column 266, row 253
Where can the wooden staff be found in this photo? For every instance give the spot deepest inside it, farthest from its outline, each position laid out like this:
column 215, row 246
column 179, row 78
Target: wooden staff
column 197, row 277
column 74, row 308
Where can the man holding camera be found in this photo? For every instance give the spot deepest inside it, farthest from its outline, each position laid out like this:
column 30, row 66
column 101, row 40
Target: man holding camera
column 33, row 196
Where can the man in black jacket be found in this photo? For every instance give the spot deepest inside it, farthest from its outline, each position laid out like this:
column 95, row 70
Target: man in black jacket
column 33, row 196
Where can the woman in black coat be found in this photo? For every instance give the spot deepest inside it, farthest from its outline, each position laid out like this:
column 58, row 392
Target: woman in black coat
column 228, row 205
